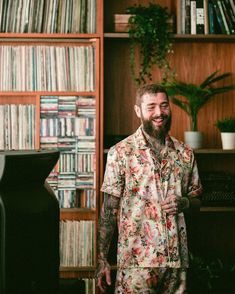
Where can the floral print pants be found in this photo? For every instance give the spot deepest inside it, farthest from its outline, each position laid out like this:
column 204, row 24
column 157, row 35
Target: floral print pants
column 151, row 281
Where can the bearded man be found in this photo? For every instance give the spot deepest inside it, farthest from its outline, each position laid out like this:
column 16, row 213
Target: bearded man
column 151, row 179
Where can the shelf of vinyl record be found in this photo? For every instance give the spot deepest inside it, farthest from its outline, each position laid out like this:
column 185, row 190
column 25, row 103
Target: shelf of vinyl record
column 48, row 16
column 67, row 123
column 48, row 67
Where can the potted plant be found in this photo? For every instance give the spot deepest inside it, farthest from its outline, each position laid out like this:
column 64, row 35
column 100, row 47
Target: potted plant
column 151, row 28
column 227, row 129
column 191, row 98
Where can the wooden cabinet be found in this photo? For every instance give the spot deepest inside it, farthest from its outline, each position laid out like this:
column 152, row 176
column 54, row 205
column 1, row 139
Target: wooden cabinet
column 50, row 59
column 112, row 88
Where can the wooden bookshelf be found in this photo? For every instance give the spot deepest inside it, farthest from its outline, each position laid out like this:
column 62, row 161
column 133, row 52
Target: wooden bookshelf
column 195, row 57
column 71, row 41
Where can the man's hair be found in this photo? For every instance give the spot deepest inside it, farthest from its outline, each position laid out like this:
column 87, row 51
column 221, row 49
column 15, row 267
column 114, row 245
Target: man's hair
column 148, row 89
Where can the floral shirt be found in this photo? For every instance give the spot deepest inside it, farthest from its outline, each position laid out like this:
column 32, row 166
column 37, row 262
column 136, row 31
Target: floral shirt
column 147, row 236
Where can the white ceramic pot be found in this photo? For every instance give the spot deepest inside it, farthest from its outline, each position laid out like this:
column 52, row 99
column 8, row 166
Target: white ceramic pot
column 193, row 139
column 228, row 140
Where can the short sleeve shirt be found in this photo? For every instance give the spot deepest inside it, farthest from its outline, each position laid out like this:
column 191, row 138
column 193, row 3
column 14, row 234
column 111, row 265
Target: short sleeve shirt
column 147, row 236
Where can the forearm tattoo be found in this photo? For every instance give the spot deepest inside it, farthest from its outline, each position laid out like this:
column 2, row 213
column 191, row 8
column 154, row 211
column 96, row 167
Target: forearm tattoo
column 107, row 224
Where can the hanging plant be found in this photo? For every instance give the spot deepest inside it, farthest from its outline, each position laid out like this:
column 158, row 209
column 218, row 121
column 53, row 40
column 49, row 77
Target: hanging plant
column 151, row 28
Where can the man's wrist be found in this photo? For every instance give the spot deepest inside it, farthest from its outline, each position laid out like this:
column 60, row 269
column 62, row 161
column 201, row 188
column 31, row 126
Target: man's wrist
column 183, row 203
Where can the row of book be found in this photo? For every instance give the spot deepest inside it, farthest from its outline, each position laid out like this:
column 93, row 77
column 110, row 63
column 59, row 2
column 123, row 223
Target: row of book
column 47, row 68
column 79, row 198
column 67, row 127
column 206, row 17
column 48, row 16
column 77, row 243
column 76, row 169
column 90, row 286
column 68, row 124
column 17, row 126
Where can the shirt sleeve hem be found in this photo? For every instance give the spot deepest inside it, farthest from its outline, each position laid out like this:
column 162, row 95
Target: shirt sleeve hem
column 111, row 191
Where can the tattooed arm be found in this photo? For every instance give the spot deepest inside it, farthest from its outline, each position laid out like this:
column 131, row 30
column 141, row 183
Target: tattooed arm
column 107, row 224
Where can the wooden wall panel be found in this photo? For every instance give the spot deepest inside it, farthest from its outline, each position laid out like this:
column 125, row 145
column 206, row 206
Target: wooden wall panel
column 193, row 63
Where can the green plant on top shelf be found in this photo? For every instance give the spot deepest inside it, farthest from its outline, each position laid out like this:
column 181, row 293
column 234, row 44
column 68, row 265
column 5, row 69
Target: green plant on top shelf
column 191, row 97
column 151, row 28
column 226, row 125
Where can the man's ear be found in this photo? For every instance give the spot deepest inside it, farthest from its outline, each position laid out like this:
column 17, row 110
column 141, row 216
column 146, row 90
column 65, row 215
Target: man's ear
column 137, row 111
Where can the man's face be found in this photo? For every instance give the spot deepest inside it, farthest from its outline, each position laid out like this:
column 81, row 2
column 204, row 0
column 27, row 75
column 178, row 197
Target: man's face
column 155, row 114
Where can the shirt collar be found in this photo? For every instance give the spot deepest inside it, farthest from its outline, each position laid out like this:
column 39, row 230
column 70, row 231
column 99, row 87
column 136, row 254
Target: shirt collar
column 142, row 143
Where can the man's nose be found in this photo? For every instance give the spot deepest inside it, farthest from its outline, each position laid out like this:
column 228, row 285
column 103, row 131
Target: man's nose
column 157, row 111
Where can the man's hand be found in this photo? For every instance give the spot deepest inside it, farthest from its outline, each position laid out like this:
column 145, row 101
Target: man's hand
column 103, row 275
column 107, row 225
column 174, row 204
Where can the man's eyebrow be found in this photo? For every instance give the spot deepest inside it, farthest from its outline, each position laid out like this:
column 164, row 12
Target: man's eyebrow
column 152, row 103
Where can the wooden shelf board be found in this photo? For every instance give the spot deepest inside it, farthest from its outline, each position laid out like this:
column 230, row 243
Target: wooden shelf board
column 77, row 268
column 47, row 36
column 214, row 151
column 190, row 38
column 77, row 214
column 46, row 93
column 77, row 272
column 217, row 209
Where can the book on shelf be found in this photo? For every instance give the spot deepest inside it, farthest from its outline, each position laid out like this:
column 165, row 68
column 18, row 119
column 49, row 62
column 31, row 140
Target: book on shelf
column 187, row 17
column 219, row 17
column 230, row 11
column 77, row 243
column 232, row 5
column 48, row 68
column 178, row 17
column 230, row 18
column 212, row 18
column 200, row 19
column 193, row 16
column 206, row 16
column 17, row 127
column 222, row 12
column 51, row 16
column 68, row 122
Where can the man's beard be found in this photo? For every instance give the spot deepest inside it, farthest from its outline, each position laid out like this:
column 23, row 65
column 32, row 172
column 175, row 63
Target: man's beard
column 157, row 132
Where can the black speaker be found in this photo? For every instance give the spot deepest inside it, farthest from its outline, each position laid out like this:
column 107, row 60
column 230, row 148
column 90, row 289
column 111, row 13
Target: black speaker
column 31, row 230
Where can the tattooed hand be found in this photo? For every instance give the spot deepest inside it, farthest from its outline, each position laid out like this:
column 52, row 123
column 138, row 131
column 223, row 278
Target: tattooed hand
column 103, row 275
column 174, row 204
column 107, row 225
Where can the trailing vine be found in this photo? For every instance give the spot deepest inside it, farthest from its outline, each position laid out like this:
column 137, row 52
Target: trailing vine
column 150, row 28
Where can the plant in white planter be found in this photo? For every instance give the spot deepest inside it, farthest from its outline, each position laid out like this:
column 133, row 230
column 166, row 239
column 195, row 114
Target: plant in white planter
column 227, row 128
column 191, row 98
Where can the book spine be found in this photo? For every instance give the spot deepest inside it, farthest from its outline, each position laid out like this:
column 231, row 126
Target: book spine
column 193, row 16
column 187, row 17
column 233, row 6
column 200, row 24
column 206, row 17
column 178, row 18
column 211, row 15
column 223, row 18
column 229, row 16
column 219, row 17
column 183, row 16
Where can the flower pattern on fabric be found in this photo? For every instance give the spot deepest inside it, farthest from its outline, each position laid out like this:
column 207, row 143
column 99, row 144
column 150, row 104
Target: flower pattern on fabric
column 147, row 236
